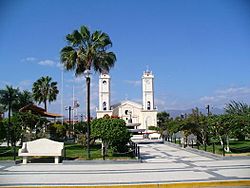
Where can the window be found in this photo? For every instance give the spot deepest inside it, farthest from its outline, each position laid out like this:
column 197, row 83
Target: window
column 104, row 105
column 148, row 105
column 126, row 112
column 104, row 82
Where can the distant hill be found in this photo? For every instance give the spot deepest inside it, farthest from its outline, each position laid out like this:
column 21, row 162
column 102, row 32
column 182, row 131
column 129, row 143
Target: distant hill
column 175, row 113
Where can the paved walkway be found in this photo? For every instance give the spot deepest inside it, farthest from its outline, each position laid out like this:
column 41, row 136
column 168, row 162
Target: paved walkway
column 161, row 164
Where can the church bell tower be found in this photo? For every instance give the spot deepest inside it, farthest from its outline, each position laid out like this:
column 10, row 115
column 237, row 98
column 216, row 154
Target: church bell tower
column 104, row 96
column 149, row 111
column 148, row 90
column 104, row 92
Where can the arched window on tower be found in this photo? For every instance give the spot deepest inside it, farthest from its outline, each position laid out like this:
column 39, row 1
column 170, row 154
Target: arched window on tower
column 148, row 105
column 104, row 105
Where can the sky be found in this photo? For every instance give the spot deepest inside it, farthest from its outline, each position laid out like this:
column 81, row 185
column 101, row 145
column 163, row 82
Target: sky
column 199, row 51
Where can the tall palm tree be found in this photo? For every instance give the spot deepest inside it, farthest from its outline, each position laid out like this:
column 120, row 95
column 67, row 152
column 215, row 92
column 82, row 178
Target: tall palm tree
column 45, row 90
column 8, row 97
column 85, row 51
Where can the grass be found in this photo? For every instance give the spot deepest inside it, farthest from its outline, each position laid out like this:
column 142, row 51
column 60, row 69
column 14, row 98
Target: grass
column 209, row 148
column 76, row 151
column 7, row 153
column 239, row 146
column 73, row 151
column 236, row 147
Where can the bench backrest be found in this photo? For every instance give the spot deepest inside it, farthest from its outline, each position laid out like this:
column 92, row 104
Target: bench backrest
column 154, row 135
column 43, row 145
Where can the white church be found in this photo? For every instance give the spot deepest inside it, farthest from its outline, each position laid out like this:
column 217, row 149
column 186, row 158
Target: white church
column 137, row 116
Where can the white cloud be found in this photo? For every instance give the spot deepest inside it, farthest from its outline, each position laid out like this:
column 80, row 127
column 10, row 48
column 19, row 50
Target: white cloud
column 59, row 65
column 25, row 84
column 29, row 59
column 47, row 62
column 133, row 82
column 43, row 62
column 223, row 96
column 208, row 99
column 234, row 91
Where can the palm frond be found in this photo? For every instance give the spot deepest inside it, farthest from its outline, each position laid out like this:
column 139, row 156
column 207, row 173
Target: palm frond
column 85, row 33
column 86, row 51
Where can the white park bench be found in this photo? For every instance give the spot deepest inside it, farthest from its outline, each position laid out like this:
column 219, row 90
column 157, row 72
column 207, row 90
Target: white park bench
column 154, row 136
column 137, row 137
column 41, row 147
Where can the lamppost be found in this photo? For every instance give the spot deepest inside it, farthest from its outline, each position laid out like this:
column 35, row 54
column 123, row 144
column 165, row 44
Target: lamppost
column 69, row 112
column 208, row 109
column 87, row 76
column 69, row 108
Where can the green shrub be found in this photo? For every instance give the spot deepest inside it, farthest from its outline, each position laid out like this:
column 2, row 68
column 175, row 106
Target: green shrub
column 57, row 132
column 112, row 132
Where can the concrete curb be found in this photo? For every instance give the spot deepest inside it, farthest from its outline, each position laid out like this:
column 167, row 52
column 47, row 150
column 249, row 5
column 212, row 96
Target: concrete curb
column 101, row 161
column 231, row 183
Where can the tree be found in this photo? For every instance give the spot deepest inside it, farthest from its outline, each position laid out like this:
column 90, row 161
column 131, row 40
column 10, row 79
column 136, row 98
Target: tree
column 32, row 125
column 2, row 110
column 8, row 97
column 240, row 112
column 2, row 131
column 14, row 130
column 174, row 125
column 198, row 125
column 24, row 98
column 239, row 108
column 57, row 132
column 112, row 132
column 222, row 125
column 162, row 119
column 85, row 51
column 45, row 90
column 80, row 130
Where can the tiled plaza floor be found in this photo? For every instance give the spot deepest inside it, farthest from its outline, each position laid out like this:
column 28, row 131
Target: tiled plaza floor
column 162, row 163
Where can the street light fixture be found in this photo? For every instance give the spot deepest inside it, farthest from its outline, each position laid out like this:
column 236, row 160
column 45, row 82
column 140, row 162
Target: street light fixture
column 87, row 74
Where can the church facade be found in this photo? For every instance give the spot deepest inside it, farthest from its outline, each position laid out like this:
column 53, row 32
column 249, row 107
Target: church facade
column 141, row 115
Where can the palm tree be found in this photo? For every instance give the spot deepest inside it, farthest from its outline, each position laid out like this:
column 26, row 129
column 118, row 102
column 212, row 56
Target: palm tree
column 45, row 90
column 24, row 98
column 85, row 51
column 239, row 108
column 8, row 97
